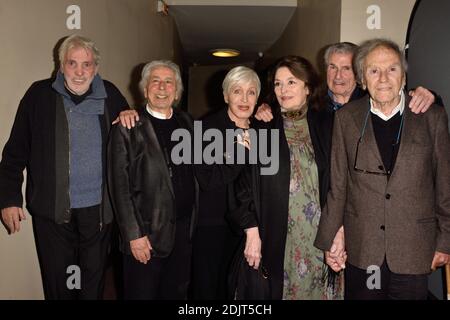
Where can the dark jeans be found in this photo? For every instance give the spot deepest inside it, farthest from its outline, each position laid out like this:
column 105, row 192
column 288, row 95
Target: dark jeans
column 161, row 278
column 393, row 286
column 79, row 243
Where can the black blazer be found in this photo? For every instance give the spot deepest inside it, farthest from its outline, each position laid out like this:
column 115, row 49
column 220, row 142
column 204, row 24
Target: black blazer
column 140, row 185
column 215, row 179
column 320, row 123
column 263, row 200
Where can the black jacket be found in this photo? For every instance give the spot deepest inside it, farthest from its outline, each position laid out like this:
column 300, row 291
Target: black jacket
column 215, row 179
column 39, row 143
column 140, row 185
column 263, row 200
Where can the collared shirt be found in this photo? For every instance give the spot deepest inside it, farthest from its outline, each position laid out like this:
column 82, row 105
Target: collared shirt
column 334, row 106
column 400, row 107
column 159, row 115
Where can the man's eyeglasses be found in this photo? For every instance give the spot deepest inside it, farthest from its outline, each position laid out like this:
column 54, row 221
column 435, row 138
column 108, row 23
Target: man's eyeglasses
column 382, row 171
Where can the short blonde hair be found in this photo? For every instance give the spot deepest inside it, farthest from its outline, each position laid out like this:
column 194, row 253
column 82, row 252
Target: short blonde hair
column 238, row 75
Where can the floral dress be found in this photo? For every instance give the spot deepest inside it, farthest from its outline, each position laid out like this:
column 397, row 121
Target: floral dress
column 304, row 267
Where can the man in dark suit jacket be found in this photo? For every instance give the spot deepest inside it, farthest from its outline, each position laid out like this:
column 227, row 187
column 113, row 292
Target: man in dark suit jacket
column 154, row 196
column 390, row 184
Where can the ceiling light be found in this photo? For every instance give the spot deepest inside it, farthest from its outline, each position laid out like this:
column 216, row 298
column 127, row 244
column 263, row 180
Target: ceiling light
column 225, row 53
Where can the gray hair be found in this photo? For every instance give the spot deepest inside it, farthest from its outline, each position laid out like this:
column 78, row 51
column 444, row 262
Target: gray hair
column 77, row 41
column 238, row 75
column 340, row 47
column 367, row 47
column 148, row 69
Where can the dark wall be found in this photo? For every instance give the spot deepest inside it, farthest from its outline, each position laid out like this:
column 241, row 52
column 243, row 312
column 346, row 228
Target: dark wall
column 429, row 48
column 429, row 66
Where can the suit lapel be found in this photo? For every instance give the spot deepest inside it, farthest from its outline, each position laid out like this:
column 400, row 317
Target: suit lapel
column 319, row 133
column 152, row 140
column 407, row 135
column 369, row 157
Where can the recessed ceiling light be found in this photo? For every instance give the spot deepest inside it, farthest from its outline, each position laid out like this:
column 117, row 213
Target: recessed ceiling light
column 225, row 53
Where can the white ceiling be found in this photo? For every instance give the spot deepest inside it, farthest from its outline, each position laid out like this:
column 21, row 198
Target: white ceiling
column 248, row 26
column 274, row 3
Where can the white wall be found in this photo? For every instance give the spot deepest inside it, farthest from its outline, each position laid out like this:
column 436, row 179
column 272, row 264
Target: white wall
column 277, row 3
column 314, row 24
column 365, row 19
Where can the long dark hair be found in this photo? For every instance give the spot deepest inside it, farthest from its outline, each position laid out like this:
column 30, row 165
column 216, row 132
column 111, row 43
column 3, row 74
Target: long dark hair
column 302, row 69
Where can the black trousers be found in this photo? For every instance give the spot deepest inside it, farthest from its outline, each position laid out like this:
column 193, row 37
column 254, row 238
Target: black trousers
column 64, row 248
column 393, row 286
column 213, row 251
column 161, row 278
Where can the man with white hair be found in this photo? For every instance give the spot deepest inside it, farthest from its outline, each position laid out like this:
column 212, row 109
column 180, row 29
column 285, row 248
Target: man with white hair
column 342, row 86
column 155, row 198
column 59, row 136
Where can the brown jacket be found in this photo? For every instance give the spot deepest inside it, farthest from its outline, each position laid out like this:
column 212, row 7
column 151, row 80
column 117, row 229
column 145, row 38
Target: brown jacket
column 405, row 219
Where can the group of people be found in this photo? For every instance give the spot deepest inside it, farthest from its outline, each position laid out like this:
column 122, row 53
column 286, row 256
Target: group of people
column 345, row 194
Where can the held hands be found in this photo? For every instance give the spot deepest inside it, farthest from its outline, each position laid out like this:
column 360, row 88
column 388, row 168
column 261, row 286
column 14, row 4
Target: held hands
column 337, row 256
column 421, row 100
column 252, row 251
column 264, row 113
column 127, row 118
column 141, row 249
column 11, row 217
column 439, row 260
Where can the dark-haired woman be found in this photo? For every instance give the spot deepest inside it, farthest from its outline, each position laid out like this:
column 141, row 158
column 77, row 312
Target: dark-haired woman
column 280, row 213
